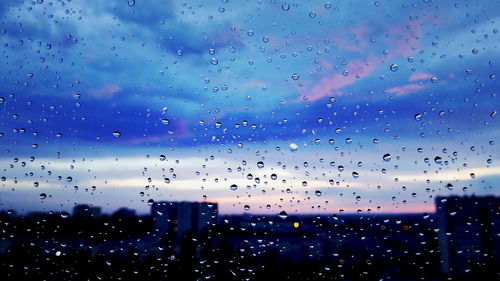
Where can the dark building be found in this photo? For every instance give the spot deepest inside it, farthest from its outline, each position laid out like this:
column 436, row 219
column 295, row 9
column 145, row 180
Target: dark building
column 86, row 211
column 176, row 219
column 125, row 213
column 468, row 234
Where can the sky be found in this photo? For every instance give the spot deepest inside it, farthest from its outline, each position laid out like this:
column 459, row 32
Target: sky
column 307, row 106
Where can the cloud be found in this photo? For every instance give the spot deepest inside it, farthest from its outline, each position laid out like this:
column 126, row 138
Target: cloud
column 443, row 176
column 333, row 84
column 128, row 63
column 420, row 76
column 405, row 38
column 406, row 89
column 105, row 92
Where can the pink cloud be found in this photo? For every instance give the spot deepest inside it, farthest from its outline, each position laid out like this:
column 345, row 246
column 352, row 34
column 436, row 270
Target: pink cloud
column 229, row 35
column 405, row 38
column 405, row 90
column 331, row 85
column 420, row 76
column 106, row 92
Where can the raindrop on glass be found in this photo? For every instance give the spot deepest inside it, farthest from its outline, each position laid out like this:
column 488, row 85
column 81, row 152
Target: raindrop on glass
column 438, row 160
column 283, row 215
column 387, row 157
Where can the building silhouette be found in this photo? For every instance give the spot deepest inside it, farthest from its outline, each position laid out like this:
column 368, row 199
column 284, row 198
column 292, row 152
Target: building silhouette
column 175, row 220
column 468, row 233
column 86, row 211
column 189, row 241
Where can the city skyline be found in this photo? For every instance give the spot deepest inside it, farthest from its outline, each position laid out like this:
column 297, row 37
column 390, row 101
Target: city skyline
column 459, row 241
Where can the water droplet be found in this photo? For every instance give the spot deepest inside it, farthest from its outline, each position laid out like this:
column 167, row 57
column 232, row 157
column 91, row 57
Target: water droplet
column 418, row 117
column 117, row 134
column 293, row 147
column 165, row 121
column 449, row 186
column 387, row 157
column 131, row 3
column 438, row 160
column 493, row 114
column 246, row 208
column 285, row 6
column 283, row 215
column 394, row 67
column 163, row 157
column 214, row 61
column 64, row 215
column 233, row 187
column 318, row 193
column 43, row 196
column 295, row 76
column 260, row 164
column 355, row 175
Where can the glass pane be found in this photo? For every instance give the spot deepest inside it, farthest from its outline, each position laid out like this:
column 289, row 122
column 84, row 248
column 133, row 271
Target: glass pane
column 249, row 140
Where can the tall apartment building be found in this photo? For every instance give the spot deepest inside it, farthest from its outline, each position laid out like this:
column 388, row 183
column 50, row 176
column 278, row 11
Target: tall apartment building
column 469, row 229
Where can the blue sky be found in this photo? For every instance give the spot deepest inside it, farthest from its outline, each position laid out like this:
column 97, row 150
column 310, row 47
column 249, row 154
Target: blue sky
column 241, row 81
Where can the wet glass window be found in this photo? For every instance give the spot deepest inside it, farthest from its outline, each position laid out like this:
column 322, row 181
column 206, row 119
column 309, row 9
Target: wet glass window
column 249, row 140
